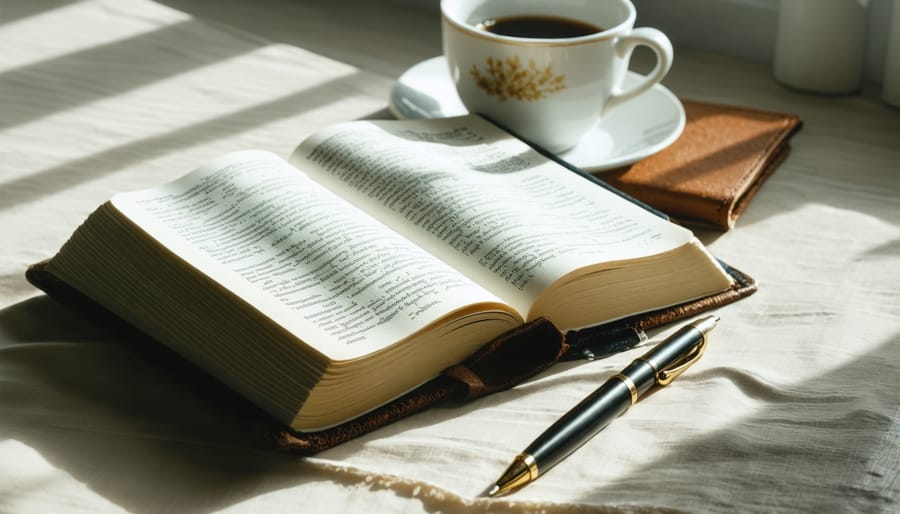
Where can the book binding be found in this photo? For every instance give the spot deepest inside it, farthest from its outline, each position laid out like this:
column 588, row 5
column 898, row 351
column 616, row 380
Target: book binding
column 500, row 364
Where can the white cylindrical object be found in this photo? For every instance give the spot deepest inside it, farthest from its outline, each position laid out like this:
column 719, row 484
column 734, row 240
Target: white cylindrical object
column 820, row 45
column 891, row 84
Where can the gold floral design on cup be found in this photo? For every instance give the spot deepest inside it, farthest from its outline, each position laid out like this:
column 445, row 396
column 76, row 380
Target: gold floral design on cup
column 508, row 78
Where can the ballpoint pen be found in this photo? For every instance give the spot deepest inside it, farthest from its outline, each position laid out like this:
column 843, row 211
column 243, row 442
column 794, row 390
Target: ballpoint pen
column 659, row 366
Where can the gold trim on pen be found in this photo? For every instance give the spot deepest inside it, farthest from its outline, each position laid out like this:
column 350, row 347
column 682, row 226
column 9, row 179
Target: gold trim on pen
column 529, row 461
column 666, row 376
column 523, row 470
column 632, row 388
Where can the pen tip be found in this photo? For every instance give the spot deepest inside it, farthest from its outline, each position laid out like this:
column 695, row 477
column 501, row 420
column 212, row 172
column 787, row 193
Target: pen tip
column 522, row 470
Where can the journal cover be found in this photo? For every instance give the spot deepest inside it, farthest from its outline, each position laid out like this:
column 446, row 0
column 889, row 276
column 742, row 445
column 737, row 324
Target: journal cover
column 713, row 170
column 500, row 364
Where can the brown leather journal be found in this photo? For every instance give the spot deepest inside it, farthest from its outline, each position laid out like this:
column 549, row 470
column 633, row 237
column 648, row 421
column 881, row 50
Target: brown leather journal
column 710, row 173
column 500, row 364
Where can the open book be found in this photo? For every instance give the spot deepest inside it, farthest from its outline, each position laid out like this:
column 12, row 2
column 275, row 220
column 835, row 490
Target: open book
column 380, row 254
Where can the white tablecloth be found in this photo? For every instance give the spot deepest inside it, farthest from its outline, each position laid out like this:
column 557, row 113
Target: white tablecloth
column 796, row 405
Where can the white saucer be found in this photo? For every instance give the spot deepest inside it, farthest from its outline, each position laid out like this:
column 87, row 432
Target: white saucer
column 629, row 132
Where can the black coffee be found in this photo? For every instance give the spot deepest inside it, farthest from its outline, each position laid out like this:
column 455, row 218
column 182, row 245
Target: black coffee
column 542, row 27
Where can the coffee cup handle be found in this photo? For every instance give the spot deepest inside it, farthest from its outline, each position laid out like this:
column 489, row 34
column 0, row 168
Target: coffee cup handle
column 625, row 45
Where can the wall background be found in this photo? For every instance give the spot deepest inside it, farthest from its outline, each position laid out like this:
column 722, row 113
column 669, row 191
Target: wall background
column 740, row 28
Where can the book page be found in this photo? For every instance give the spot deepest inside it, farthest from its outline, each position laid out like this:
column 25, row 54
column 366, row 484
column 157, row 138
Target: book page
column 483, row 201
column 340, row 280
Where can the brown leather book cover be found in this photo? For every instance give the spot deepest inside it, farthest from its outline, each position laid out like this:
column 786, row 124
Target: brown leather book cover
column 712, row 171
column 509, row 359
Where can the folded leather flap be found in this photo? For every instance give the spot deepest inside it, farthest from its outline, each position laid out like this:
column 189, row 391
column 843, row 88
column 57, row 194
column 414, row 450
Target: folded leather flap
column 510, row 358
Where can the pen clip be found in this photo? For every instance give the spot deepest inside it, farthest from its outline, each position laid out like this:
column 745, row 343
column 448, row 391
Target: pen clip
column 681, row 364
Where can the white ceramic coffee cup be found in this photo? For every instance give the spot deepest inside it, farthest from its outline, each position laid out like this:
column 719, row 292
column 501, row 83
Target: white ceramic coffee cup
column 548, row 91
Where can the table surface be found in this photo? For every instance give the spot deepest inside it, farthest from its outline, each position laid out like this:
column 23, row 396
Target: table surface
column 794, row 407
